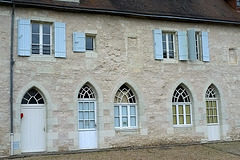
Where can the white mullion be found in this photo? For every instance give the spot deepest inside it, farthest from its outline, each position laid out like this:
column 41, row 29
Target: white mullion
column 184, row 115
column 129, row 115
column 177, row 114
column 167, row 45
column 41, row 38
column 120, row 116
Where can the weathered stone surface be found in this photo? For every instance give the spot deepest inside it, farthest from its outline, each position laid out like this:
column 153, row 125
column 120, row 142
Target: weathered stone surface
column 124, row 54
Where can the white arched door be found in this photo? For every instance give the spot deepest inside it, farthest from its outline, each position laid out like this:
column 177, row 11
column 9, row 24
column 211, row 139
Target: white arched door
column 33, row 119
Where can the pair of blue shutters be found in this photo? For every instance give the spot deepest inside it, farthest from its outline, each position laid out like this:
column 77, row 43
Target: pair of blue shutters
column 24, row 38
column 186, row 44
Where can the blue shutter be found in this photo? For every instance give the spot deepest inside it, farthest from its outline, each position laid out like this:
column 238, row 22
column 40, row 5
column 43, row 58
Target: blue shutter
column 205, row 48
column 182, row 45
column 158, row 49
column 60, row 39
column 79, row 42
column 24, row 37
column 192, row 44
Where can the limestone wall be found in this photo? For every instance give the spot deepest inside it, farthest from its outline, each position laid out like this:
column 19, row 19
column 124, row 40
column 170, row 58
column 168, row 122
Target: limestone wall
column 124, row 54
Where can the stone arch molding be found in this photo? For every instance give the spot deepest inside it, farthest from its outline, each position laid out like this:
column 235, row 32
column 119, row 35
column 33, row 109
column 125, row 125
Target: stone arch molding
column 187, row 86
column 94, row 86
column 39, row 87
column 131, row 85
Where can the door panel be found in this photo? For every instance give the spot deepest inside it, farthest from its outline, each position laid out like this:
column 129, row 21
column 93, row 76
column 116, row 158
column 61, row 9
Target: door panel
column 213, row 132
column 33, row 129
column 86, row 123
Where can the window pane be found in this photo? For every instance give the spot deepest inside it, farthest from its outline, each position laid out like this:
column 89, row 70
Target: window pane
column 35, row 38
column 46, row 29
column 188, row 119
column 208, row 119
column 132, row 110
column 174, row 109
column 86, row 115
column 124, row 111
column 35, row 28
column 209, row 104
column 187, row 109
column 215, row 120
column 92, row 106
column 46, row 50
column 171, row 54
column 80, row 106
column 211, row 119
column 86, row 106
column 80, row 115
column 124, row 121
column 214, row 104
column 81, row 124
column 180, row 109
column 163, row 37
column 92, row 124
column 35, row 49
column 133, row 121
column 174, row 119
column 116, row 122
column 46, row 39
column 207, row 111
column 181, row 120
column 89, row 43
column 86, row 125
column 91, row 115
column 214, row 111
column 211, row 112
column 170, row 37
column 116, row 111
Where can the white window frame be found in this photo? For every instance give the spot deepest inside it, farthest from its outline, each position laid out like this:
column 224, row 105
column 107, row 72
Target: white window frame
column 182, row 95
column 128, row 105
column 198, row 45
column 93, row 36
column 167, row 45
column 41, row 38
column 213, row 98
column 184, row 104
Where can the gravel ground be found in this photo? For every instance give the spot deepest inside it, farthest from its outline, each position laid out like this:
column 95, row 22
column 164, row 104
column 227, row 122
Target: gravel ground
column 213, row 151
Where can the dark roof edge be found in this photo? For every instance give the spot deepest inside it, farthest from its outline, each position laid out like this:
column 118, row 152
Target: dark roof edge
column 125, row 13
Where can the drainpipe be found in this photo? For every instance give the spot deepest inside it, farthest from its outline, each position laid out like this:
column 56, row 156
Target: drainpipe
column 11, row 80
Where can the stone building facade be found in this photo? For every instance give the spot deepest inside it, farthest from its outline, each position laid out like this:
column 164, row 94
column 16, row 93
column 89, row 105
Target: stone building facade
column 98, row 80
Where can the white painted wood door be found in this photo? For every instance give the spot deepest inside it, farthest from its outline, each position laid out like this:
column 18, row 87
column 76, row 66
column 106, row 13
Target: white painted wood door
column 87, row 124
column 33, row 137
column 213, row 132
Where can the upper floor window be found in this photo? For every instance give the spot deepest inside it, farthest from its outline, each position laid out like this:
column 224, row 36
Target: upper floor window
column 168, row 40
column 36, row 38
column 41, row 38
column 238, row 3
column 125, row 108
column 84, row 42
column 181, row 107
column 190, row 45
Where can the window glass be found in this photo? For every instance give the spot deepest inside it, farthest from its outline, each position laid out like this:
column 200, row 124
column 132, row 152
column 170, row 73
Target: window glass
column 168, row 45
column 89, row 43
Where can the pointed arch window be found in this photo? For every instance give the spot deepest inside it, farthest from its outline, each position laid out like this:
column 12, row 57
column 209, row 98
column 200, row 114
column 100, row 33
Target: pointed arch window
column 32, row 97
column 125, row 108
column 181, row 107
column 211, row 105
column 86, row 108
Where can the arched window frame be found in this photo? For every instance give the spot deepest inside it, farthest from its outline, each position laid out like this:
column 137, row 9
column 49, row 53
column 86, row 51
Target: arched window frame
column 32, row 96
column 181, row 107
column 125, row 109
column 211, row 99
column 86, row 115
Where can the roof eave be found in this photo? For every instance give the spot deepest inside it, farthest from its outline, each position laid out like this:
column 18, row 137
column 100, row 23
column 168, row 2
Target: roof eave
column 123, row 13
